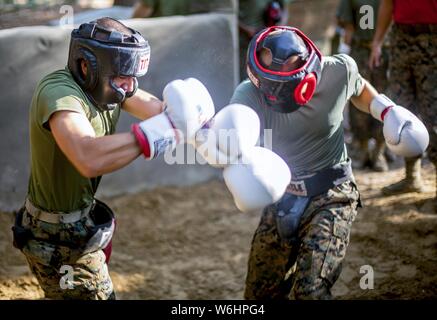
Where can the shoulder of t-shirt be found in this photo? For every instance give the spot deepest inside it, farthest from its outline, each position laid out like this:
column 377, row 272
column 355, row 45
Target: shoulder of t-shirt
column 348, row 64
column 59, row 92
column 246, row 93
column 245, row 85
column 341, row 61
column 59, row 84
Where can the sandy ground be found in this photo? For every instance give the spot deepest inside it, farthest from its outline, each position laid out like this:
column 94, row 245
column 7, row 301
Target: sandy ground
column 192, row 243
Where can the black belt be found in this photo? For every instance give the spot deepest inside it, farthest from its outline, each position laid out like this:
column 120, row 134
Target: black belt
column 415, row 29
column 322, row 180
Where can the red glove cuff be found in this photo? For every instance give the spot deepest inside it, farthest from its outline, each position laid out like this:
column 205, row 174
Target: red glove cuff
column 384, row 113
column 141, row 139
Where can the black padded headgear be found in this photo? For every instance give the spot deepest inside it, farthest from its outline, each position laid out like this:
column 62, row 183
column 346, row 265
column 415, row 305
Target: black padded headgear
column 107, row 53
column 285, row 91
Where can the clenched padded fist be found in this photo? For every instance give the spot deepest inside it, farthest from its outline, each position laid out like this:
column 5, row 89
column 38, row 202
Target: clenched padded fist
column 188, row 106
column 261, row 179
column 404, row 133
column 255, row 176
column 224, row 138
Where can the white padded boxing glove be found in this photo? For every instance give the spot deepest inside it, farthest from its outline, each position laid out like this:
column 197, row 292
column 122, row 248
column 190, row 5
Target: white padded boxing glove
column 188, row 107
column 261, row 179
column 234, row 129
column 404, row 133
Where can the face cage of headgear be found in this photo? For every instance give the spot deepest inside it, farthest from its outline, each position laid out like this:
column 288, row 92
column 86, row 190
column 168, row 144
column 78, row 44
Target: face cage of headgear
column 285, row 91
column 117, row 55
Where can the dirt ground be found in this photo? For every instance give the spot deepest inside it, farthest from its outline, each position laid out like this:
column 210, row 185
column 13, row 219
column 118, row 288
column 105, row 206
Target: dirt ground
column 192, row 243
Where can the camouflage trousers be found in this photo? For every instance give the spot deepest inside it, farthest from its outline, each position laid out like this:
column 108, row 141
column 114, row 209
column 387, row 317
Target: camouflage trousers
column 309, row 267
column 61, row 267
column 413, row 78
column 363, row 126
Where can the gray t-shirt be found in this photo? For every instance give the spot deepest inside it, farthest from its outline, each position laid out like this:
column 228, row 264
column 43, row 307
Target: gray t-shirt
column 311, row 138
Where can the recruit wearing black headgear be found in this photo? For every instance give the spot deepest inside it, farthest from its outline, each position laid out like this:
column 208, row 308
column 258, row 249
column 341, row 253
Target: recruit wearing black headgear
column 107, row 54
column 285, row 91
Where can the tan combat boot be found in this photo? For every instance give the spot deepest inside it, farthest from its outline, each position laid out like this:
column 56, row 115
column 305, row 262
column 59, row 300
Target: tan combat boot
column 411, row 183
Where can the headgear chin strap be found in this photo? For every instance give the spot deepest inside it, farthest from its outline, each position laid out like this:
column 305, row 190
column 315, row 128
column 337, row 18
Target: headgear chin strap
column 107, row 54
column 285, row 91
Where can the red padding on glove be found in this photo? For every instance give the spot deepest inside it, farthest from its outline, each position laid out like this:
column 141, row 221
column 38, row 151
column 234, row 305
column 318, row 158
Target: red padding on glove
column 142, row 139
column 383, row 113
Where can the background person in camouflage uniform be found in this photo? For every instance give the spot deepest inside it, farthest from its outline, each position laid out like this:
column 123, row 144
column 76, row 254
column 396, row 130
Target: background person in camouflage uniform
column 358, row 38
column 251, row 16
column 412, row 72
column 301, row 241
column 250, row 21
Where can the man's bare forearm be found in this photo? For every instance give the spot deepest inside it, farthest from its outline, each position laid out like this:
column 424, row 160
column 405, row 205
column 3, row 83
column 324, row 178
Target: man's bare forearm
column 362, row 102
column 110, row 153
column 384, row 21
column 92, row 156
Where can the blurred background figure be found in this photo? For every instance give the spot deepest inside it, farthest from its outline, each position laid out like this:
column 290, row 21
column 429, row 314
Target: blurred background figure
column 254, row 15
column 337, row 37
column 336, row 46
column 273, row 13
column 412, row 72
column 161, row 8
column 356, row 41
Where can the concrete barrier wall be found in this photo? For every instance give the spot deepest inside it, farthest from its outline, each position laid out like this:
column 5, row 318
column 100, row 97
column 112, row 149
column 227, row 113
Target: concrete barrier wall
column 201, row 46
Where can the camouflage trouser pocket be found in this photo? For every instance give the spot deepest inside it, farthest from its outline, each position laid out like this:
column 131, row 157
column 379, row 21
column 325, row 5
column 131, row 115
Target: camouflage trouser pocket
column 336, row 251
column 288, row 216
column 48, row 254
column 65, row 274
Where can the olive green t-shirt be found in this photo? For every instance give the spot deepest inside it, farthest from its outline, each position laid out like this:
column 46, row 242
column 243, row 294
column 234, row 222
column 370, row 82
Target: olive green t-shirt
column 356, row 13
column 54, row 183
column 310, row 138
